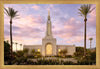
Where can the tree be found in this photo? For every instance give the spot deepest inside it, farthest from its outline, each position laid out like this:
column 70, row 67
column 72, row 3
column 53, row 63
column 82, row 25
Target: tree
column 20, row 53
column 25, row 51
column 90, row 41
column 12, row 14
column 93, row 55
column 80, row 49
column 38, row 54
column 16, row 46
column 6, row 51
column 12, row 43
column 63, row 52
column 84, row 11
column 33, row 52
column 79, row 52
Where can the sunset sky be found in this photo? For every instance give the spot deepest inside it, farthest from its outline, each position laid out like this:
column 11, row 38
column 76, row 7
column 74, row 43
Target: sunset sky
column 67, row 25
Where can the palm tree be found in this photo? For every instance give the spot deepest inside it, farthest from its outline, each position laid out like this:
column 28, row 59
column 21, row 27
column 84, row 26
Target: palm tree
column 16, row 46
column 12, row 14
column 20, row 46
column 12, row 43
column 90, row 41
column 84, row 11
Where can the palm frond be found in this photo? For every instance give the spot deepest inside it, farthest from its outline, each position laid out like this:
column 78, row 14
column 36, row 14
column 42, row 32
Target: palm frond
column 91, row 10
column 85, row 9
column 11, row 12
column 80, row 14
column 17, row 18
column 6, row 12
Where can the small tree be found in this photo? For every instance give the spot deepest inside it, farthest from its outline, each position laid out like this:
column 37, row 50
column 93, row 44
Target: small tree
column 20, row 53
column 79, row 52
column 93, row 55
column 38, row 54
column 79, row 49
column 63, row 52
column 33, row 52
column 6, row 51
column 25, row 51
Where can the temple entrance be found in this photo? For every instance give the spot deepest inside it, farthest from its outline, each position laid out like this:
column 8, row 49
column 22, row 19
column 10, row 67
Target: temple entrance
column 49, row 49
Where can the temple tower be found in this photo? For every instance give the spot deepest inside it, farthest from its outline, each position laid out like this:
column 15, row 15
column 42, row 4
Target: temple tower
column 48, row 30
column 48, row 42
column 49, row 27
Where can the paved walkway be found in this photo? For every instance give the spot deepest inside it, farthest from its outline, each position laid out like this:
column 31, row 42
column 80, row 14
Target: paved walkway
column 55, row 58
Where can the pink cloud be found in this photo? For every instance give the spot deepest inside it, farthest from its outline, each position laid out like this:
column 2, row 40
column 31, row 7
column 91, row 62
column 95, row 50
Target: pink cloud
column 75, row 39
column 66, row 35
column 72, row 19
column 69, row 29
column 92, row 16
column 28, row 21
column 51, row 5
column 36, row 7
column 26, row 27
column 31, row 27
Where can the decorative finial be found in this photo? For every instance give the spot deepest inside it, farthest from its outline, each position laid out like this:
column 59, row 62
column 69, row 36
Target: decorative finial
column 49, row 14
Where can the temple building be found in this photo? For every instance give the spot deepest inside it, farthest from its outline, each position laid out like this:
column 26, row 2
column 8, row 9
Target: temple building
column 49, row 46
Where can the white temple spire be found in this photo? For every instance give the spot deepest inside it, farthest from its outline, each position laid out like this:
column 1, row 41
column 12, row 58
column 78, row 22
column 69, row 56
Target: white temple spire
column 49, row 26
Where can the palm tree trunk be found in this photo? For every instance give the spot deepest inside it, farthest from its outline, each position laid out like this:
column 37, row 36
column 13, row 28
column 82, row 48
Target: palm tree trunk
column 16, row 47
column 85, row 36
column 20, row 47
column 90, row 44
column 11, row 38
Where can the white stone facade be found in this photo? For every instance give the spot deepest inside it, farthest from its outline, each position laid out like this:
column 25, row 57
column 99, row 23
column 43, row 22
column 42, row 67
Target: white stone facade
column 49, row 46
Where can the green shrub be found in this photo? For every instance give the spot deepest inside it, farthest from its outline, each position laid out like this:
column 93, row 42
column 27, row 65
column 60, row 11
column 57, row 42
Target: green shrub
column 50, row 62
column 80, row 49
column 19, row 53
column 68, row 56
column 93, row 55
column 85, row 62
column 68, row 63
column 20, row 60
column 6, row 51
column 38, row 54
column 78, row 54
